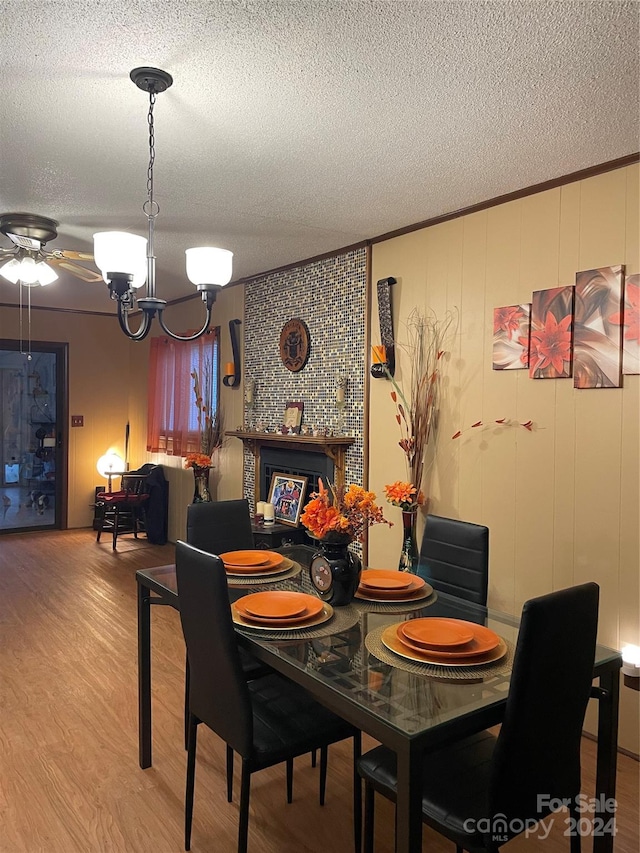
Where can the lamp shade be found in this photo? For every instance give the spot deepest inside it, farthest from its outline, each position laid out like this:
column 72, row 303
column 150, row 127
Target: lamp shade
column 11, row 271
column 110, row 463
column 45, row 274
column 208, row 265
column 119, row 251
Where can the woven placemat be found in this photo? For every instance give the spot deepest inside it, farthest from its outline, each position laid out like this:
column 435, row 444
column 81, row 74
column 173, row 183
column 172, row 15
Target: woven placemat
column 253, row 581
column 343, row 618
column 374, row 645
column 389, row 606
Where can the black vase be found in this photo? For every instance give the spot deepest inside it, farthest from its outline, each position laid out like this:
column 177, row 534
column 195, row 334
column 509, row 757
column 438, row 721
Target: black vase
column 335, row 571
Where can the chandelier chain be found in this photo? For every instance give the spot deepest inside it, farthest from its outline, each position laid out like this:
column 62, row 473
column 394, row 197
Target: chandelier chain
column 151, row 207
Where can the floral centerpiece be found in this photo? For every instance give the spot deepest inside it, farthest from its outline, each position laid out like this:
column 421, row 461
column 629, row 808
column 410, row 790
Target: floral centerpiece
column 404, row 495
column 336, row 516
column 341, row 514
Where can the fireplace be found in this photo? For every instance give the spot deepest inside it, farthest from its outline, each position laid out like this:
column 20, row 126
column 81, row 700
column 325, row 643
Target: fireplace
column 299, row 463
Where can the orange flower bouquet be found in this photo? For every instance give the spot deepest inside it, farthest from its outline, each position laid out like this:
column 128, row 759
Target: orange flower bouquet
column 197, row 460
column 404, row 495
column 341, row 514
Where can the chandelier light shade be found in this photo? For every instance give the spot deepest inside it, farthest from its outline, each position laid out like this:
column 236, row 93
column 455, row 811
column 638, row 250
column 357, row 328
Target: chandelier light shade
column 126, row 261
column 119, row 250
column 207, row 265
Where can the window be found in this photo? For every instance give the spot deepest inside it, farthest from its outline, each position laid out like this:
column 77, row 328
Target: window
column 172, row 425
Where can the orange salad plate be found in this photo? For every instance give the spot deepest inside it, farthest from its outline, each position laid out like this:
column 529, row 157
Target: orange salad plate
column 413, row 585
column 246, row 558
column 437, row 633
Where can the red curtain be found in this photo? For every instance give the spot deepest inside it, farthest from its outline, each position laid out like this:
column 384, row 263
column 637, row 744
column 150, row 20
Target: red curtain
column 171, row 401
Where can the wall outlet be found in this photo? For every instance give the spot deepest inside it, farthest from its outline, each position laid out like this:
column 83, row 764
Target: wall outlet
column 77, row 420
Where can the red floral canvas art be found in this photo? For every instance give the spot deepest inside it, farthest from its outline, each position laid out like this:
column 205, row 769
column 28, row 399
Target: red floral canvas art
column 597, row 335
column 629, row 319
column 550, row 347
column 511, row 337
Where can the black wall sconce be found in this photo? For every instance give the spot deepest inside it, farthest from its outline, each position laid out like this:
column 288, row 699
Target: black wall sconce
column 384, row 357
column 232, row 371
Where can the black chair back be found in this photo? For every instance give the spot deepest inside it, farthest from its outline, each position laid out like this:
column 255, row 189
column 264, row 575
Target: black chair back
column 454, row 558
column 218, row 693
column 538, row 749
column 220, row 526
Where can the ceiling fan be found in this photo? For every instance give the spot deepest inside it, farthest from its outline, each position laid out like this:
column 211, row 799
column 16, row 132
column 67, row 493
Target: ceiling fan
column 29, row 234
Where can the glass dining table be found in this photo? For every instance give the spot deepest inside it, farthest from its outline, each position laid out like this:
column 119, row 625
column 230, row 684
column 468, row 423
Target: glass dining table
column 408, row 707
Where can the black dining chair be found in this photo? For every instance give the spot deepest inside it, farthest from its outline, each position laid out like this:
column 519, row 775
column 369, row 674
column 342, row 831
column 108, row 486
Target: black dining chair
column 454, row 558
column 268, row 720
column 480, row 792
column 220, row 526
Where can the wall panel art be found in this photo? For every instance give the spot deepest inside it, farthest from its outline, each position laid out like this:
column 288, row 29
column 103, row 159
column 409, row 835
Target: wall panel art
column 550, row 349
column 597, row 337
column 511, row 337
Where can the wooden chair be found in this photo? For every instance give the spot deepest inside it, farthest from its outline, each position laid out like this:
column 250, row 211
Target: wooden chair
column 268, row 720
column 481, row 791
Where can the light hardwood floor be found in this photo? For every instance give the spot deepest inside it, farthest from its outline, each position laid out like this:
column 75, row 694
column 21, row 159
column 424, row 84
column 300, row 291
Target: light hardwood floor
column 69, row 775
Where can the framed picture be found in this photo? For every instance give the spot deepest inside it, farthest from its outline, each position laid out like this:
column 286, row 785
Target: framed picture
column 292, row 417
column 287, row 496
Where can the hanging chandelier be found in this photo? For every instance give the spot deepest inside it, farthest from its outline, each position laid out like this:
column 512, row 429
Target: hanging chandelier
column 126, row 260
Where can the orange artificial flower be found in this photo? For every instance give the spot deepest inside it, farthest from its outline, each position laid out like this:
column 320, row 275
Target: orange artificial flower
column 343, row 512
column 197, row 460
column 404, row 495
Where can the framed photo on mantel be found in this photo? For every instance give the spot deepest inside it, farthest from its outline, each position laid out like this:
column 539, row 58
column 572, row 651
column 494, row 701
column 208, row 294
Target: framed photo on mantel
column 287, row 496
column 292, row 417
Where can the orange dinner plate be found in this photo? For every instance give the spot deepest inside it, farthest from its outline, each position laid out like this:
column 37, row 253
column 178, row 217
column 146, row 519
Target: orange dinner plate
column 275, row 604
column 246, row 558
column 307, row 606
column 372, row 579
column 392, row 641
column 273, row 561
column 437, row 633
column 484, row 641
column 306, row 620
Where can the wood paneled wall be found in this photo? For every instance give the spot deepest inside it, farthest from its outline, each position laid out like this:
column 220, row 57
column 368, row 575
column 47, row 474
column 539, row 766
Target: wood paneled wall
column 561, row 501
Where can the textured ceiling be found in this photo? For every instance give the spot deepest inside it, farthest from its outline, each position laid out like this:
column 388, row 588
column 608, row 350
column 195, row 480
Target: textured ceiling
column 296, row 128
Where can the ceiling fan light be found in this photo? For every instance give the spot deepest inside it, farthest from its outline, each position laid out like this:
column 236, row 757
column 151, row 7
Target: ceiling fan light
column 208, row 265
column 45, row 273
column 28, row 274
column 119, row 251
column 11, row 271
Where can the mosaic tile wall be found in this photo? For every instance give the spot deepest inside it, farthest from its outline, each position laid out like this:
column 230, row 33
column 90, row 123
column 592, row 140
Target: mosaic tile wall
column 329, row 296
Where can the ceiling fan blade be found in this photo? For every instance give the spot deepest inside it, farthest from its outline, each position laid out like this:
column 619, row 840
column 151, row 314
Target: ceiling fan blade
column 75, row 256
column 75, row 269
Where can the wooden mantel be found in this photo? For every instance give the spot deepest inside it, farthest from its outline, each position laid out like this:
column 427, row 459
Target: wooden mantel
column 333, row 446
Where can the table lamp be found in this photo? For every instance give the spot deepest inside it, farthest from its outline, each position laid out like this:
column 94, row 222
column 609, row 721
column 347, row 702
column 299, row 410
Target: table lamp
column 110, row 465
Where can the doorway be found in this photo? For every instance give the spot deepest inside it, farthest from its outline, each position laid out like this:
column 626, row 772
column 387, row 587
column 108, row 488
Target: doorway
column 33, row 394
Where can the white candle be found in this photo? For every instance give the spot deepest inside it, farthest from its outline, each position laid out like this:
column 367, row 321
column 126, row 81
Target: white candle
column 269, row 513
column 340, row 394
column 260, row 507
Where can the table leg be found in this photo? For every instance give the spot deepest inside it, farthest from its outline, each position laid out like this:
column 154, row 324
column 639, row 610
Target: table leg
column 144, row 675
column 409, row 801
column 607, row 756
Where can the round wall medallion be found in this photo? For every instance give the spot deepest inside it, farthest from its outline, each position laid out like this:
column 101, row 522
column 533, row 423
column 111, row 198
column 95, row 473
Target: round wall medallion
column 295, row 344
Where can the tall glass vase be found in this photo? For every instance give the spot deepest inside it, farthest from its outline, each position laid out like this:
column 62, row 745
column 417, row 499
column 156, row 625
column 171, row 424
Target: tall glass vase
column 409, row 555
column 201, row 493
